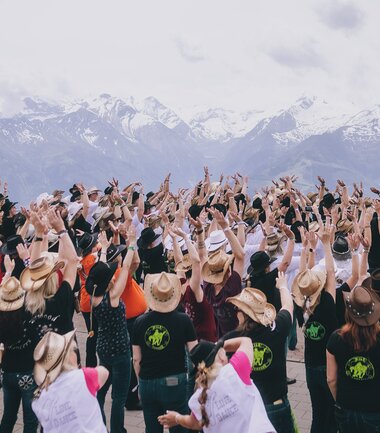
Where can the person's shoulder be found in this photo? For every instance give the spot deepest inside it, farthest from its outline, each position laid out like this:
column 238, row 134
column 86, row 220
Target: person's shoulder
column 335, row 340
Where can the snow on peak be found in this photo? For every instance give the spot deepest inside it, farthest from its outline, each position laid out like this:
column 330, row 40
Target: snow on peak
column 153, row 107
column 365, row 125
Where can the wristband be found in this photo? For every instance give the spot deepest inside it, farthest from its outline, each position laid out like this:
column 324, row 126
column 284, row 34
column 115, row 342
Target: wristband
column 38, row 239
column 61, row 232
column 131, row 247
column 27, row 262
column 199, row 232
column 366, row 250
column 240, row 223
column 292, row 238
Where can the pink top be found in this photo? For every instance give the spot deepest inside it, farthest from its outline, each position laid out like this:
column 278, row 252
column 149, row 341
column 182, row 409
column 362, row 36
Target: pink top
column 92, row 380
column 242, row 366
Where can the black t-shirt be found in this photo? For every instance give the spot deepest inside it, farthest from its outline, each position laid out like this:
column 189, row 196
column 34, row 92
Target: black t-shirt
column 153, row 258
column 58, row 314
column 269, row 360
column 267, row 284
column 18, row 353
column 358, row 375
column 374, row 252
column 162, row 338
column 318, row 329
column 340, row 305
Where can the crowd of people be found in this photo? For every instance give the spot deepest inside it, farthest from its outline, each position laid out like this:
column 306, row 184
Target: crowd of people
column 191, row 299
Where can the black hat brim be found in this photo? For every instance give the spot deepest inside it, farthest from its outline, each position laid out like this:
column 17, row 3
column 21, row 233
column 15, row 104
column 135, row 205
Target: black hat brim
column 141, row 243
column 119, row 250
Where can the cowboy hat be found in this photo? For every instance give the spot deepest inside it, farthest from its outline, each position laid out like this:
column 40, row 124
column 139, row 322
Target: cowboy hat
column 162, row 292
column 205, row 351
column 253, row 303
column 49, row 356
column 274, row 240
column 313, row 226
column 308, row 284
column 99, row 278
column 11, row 295
column 114, row 251
column 259, row 261
column 183, row 265
column 87, row 242
column 101, row 213
column 168, row 242
column 9, row 248
column 216, row 240
column 33, row 277
column 340, row 247
column 148, row 236
column 73, row 209
column 363, row 306
column 214, row 270
column 344, row 225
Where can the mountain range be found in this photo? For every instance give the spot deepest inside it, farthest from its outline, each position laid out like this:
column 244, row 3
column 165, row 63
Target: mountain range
column 49, row 145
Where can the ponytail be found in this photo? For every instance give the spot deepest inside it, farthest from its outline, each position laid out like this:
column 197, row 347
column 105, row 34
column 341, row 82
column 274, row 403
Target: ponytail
column 202, row 382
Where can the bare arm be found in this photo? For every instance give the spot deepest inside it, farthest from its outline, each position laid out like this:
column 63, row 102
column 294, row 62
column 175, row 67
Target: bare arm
column 241, row 344
column 286, row 298
column 285, row 262
column 332, row 373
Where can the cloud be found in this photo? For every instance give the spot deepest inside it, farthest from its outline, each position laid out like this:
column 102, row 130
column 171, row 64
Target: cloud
column 341, row 15
column 190, row 53
column 11, row 99
column 303, row 56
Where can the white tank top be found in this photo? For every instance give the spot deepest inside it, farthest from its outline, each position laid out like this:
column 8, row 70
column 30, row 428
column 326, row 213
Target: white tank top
column 68, row 406
column 232, row 406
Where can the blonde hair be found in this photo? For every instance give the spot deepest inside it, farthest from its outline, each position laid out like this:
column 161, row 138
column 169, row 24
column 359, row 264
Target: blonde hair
column 205, row 378
column 67, row 365
column 35, row 300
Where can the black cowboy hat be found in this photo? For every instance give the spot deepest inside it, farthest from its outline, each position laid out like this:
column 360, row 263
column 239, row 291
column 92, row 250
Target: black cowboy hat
column 7, row 206
column 295, row 229
column 328, row 200
column 75, row 195
column 340, row 246
column 73, row 189
column 99, row 277
column 113, row 251
column 148, row 235
column 373, row 282
column 19, row 220
column 87, row 242
column 135, row 196
column 259, row 261
column 9, row 248
column 195, row 210
column 147, row 205
column 205, row 351
column 108, row 190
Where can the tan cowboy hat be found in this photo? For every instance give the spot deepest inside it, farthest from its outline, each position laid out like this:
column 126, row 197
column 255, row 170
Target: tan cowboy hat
column 184, row 265
column 214, row 270
column 11, row 295
column 363, row 306
column 313, row 226
column 101, row 213
column 344, row 225
column 308, row 284
column 274, row 240
column 253, row 303
column 33, row 277
column 312, row 196
column 162, row 291
column 49, row 356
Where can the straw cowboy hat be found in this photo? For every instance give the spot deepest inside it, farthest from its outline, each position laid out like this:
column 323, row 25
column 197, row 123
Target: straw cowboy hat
column 308, row 284
column 33, row 277
column 162, row 292
column 101, row 213
column 363, row 306
column 313, row 226
column 11, row 295
column 184, row 265
column 253, row 303
column 274, row 241
column 214, row 270
column 344, row 226
column 49, row 356
column 216, row 240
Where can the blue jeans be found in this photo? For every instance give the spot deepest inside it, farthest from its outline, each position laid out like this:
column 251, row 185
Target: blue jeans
column 322, row 402
column 119, row 367
column 18, row 387
column 351, row 421
column 280, row 416
column 160, row 395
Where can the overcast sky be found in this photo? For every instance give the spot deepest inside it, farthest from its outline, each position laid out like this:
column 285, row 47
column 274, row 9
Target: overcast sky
column 240, row 54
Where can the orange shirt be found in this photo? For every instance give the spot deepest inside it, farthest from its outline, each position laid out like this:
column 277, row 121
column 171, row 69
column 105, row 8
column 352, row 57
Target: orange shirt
column 85, row 299
column 133, row 297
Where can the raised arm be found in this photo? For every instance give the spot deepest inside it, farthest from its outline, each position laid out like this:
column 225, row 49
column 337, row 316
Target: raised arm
column 286, row 297
column 324, row 235
column 285, row 262
column 121, row 281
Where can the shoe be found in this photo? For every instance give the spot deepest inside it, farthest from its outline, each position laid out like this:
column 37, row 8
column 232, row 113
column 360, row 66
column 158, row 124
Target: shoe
column 134, row 406
column 290, row 381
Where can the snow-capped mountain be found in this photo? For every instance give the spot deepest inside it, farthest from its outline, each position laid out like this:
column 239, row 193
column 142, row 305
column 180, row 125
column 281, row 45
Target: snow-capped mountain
column 50, row 144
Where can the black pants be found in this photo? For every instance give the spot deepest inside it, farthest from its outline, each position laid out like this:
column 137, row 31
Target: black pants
column 91, row 359
column 322, row 402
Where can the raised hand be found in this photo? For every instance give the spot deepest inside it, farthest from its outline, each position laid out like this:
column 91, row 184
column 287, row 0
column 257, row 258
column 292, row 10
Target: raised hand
column 104, row 242
column 281, row 281
column 22, row 252
column 9, row 264
column 55, row 220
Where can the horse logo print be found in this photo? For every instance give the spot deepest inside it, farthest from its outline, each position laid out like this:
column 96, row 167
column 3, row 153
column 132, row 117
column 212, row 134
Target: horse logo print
column 262, row 357
column 315, row 331
column 360, row 368
column 157, row 337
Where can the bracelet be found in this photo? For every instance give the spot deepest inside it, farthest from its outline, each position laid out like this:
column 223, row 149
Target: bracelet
column 201, row 244
column 292, row 239
column 61, row 232
column 38, row 239
column 131, row 247
column 226, row 229
column 199, row 232
column 176, row 418
column 240, row 223
column 367, row 226
column 366, row 250
column 27, row 262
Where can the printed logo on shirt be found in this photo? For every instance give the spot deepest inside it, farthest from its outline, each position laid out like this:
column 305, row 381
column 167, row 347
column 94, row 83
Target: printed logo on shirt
column 360, row 368
column 157, row 337
column 315, row 331
column 262, row 357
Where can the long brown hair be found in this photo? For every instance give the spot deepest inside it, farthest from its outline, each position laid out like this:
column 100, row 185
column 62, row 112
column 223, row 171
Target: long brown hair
column 205, row 377
column 248, row 325
column 361, row 338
